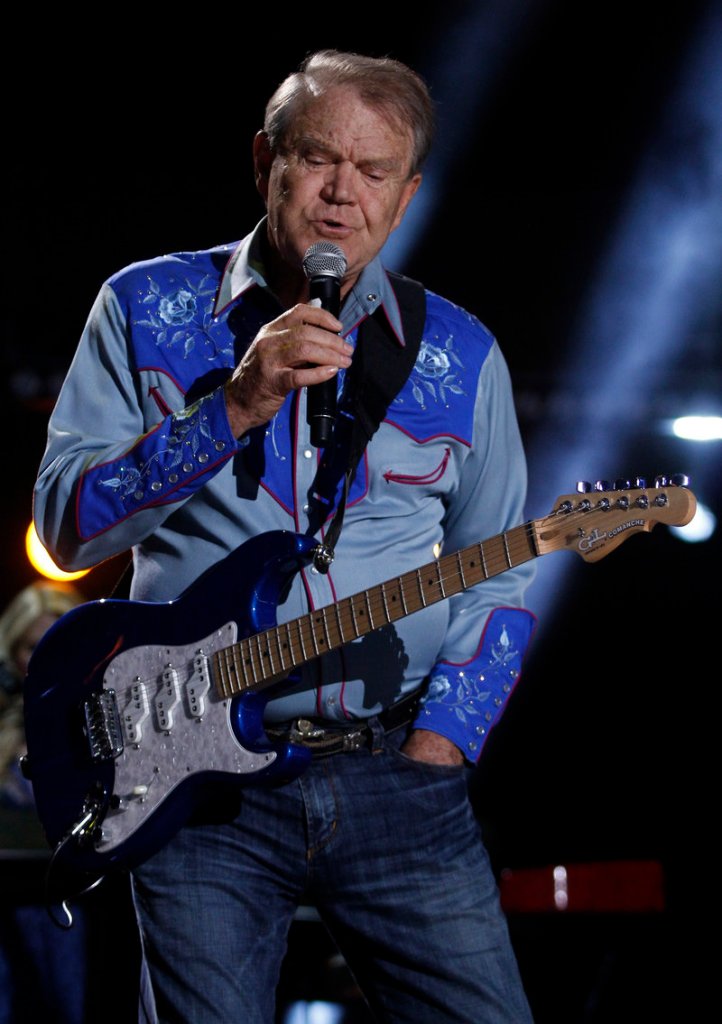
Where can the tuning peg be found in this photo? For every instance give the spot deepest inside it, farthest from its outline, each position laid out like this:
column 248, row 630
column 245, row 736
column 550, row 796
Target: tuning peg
column 583, row 487
column 679, row 480
column 622, row 485
column 640, row 481
column 661, row 481
column 602, row 485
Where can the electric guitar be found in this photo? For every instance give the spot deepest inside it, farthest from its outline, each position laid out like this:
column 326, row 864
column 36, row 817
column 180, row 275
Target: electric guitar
column 137, row 712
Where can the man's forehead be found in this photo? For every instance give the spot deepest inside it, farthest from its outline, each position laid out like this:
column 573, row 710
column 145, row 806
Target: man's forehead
column 340, row 118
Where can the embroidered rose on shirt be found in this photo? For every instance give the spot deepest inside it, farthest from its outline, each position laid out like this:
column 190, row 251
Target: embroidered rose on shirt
column 433, row 374
column 181, row 315
column 462, row 691
column 178, row 308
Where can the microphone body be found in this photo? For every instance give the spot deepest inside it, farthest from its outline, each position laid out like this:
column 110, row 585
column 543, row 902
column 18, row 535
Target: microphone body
column 324, row 265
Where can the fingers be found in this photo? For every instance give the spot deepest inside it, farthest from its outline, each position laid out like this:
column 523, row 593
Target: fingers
column 311, row 314
column 307, row 336
column 300, row 348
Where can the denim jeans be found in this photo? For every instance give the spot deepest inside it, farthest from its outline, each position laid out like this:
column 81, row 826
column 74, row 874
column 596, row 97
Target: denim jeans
column 388, row 851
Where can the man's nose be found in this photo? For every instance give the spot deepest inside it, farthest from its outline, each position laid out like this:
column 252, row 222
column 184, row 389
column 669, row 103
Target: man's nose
column 340, row 183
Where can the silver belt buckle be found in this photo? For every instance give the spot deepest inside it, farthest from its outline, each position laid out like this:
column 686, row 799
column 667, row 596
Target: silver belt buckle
column 303, row 729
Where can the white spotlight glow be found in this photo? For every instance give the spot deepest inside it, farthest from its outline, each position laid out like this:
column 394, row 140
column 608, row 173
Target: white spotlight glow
column 698, row 428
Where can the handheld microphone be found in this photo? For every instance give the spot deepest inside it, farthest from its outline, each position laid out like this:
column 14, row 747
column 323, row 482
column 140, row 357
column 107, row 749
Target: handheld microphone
column 324, row 264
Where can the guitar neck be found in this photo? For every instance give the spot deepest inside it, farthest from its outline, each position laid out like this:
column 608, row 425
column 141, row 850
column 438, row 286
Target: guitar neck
column 261, row 660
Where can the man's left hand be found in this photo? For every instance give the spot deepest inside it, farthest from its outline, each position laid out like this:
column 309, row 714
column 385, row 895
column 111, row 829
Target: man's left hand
column 422, row 745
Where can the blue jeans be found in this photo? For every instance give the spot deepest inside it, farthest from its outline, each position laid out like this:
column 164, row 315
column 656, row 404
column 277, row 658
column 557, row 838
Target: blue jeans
column 389, row 852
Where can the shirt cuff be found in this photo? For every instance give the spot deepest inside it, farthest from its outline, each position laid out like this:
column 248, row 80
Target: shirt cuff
column 464, row 700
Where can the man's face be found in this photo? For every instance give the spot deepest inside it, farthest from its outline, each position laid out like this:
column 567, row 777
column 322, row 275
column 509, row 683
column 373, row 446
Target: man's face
column 342, row 176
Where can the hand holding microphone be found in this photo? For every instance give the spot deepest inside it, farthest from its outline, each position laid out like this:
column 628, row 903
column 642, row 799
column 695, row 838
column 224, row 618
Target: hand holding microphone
column 281, row 355
column 324, row 264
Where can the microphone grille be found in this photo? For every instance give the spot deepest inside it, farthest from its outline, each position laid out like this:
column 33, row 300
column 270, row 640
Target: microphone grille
column 324, row 259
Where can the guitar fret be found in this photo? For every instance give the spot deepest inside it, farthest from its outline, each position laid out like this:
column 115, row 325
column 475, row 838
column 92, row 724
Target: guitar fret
column 232, row 663
column 483, row 562
column 339, row 624
column 313, row 637
column 400, row 582
column 387, row 613
column 235, row 670
column 299, row 624
column 279, row 648
column 353, row 617
column 268, row 652
column 227, row 667
column 238, row 675
column 249, row 660
column 283, row 646
column 255, row 658
column 441, row 580
column 292, row 643
column 506, row 550
column 368, row 610
column 460, row 564
column 222, row 671
column 324, row 622
column 422, row 596
column 255, row 642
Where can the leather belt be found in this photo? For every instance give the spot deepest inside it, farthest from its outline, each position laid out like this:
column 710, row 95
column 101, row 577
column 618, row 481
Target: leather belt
column 324, row 737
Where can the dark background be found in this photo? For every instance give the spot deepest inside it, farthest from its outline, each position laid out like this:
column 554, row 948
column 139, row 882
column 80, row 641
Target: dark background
column 123, row 144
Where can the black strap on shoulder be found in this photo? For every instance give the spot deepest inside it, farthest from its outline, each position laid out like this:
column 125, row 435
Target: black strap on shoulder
column 380, row 368
column 382, row 365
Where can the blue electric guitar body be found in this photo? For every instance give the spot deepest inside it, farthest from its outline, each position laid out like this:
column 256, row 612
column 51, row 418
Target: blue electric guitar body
column 123, row 722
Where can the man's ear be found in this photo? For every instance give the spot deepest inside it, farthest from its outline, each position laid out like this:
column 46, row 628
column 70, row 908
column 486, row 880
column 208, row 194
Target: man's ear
column 262, row 160
column 407, row 194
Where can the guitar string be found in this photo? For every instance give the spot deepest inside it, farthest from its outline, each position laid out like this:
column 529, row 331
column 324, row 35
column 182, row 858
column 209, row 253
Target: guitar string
column 315, row 626
column 494, row 553
column 498, row 554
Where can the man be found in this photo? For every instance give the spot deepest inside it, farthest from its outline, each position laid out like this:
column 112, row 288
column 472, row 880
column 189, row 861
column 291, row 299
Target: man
column 182, row 431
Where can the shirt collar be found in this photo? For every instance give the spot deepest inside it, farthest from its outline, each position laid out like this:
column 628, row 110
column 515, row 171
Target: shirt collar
column 373, row 288
column 244, row 268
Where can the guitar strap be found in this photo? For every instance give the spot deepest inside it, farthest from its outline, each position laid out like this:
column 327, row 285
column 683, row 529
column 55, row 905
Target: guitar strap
column 379, row 370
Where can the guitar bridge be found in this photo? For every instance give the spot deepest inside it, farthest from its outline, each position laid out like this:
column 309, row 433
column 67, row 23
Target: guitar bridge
column 102, row 725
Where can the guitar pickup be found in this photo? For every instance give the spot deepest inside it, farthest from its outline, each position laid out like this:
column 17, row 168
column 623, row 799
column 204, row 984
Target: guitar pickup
column 198, row 687
column 102, row 725
column 168, row 698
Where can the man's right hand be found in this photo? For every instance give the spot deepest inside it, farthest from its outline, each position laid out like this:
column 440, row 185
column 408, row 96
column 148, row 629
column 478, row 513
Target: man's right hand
column 297, row 349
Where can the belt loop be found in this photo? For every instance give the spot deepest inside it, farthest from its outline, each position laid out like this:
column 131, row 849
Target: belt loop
column 378, row 735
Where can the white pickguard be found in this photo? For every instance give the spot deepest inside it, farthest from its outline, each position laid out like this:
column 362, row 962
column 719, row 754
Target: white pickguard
column 173, row 725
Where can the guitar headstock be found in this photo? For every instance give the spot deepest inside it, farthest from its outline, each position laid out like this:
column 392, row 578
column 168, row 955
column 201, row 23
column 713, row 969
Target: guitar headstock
column 596, row 520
